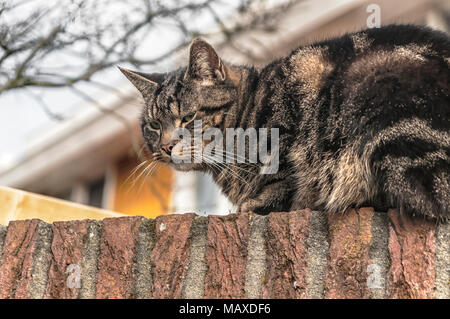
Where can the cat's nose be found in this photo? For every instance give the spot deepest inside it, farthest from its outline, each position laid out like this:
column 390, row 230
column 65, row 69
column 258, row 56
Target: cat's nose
column 167, row 148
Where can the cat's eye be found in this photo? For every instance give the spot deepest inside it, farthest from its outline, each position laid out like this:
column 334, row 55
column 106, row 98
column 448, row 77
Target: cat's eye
column 155, row 125
column 188, row 118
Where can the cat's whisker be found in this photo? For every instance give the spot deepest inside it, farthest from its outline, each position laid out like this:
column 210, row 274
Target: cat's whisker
column 236, row 165
column 142, row 173
column 149, row 172
column 152, row 171
column 238, row 157
column 211, row 164
column 235, row 174
column 222, row 153
column 141, row 150
column 134, row 171
column 221, row 166
column 234, row 156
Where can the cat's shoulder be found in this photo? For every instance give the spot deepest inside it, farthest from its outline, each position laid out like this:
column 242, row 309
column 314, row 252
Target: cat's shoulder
column 391, row 40
column 386, row 37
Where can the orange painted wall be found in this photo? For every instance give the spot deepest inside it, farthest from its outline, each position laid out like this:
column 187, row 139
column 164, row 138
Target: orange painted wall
column 147, row 196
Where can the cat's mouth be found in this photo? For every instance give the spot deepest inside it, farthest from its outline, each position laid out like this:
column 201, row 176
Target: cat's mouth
column 182, row 158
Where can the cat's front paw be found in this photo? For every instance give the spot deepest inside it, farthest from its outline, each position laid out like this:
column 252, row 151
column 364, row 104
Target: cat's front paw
column 255, row 206
column 248, row 206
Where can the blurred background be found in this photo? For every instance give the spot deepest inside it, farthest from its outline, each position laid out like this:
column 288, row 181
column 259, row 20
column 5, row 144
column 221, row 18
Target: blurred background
column 69, row 119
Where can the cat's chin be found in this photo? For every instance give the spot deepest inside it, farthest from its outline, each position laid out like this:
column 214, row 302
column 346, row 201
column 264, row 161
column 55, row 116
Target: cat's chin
column 185, row 167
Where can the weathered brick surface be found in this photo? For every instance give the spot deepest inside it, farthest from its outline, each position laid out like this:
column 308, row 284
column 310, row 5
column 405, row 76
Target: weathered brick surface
column 17, row 257
column 303, row 254
column 194, row 282
column 412, row 249
column 3, row 230
column 89, row 265
column 67, row 249
column 146, row 243
column 226, row 255
column 170, row 255
column 116, row 262
column 348, row 259
column 287, row 234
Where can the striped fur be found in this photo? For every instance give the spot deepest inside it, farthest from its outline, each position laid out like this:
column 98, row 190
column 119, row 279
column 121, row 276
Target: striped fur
column 364, row 119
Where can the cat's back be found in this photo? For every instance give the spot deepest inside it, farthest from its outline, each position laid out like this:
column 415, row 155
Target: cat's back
column 393, row 71
column 393, row 36
column 326, row 73
column 398, row 40
column 395, row 51
column 375, row 116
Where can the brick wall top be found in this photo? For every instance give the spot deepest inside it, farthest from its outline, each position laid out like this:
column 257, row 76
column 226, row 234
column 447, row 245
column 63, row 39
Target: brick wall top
column 302, row 254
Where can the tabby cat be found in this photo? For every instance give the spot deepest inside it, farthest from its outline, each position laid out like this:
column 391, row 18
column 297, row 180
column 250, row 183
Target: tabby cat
column 363, row 119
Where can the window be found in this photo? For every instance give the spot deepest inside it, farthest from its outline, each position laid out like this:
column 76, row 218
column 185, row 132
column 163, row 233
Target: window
column 95, row 193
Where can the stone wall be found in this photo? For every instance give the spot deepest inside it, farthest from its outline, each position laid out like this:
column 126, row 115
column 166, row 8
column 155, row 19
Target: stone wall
column 303, row 254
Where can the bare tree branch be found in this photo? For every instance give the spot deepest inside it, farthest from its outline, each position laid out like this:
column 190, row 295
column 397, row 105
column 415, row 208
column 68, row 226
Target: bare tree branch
column 99, row 53
column 97, row 43
column 54, row 116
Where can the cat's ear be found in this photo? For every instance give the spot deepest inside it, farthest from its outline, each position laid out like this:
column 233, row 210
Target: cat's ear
column 204, row 63
column 144, row 82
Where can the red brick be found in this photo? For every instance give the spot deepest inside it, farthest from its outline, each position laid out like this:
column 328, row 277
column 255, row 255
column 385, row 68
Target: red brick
column 412, row 250
column 287, row 234
column 116, row 262
column 226, row 255
column 15, row 271
column 169, row 256
column 348, row 257
column 67, row 248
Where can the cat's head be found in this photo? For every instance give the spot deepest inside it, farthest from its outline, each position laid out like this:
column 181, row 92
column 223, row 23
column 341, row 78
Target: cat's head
column 204, row 90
